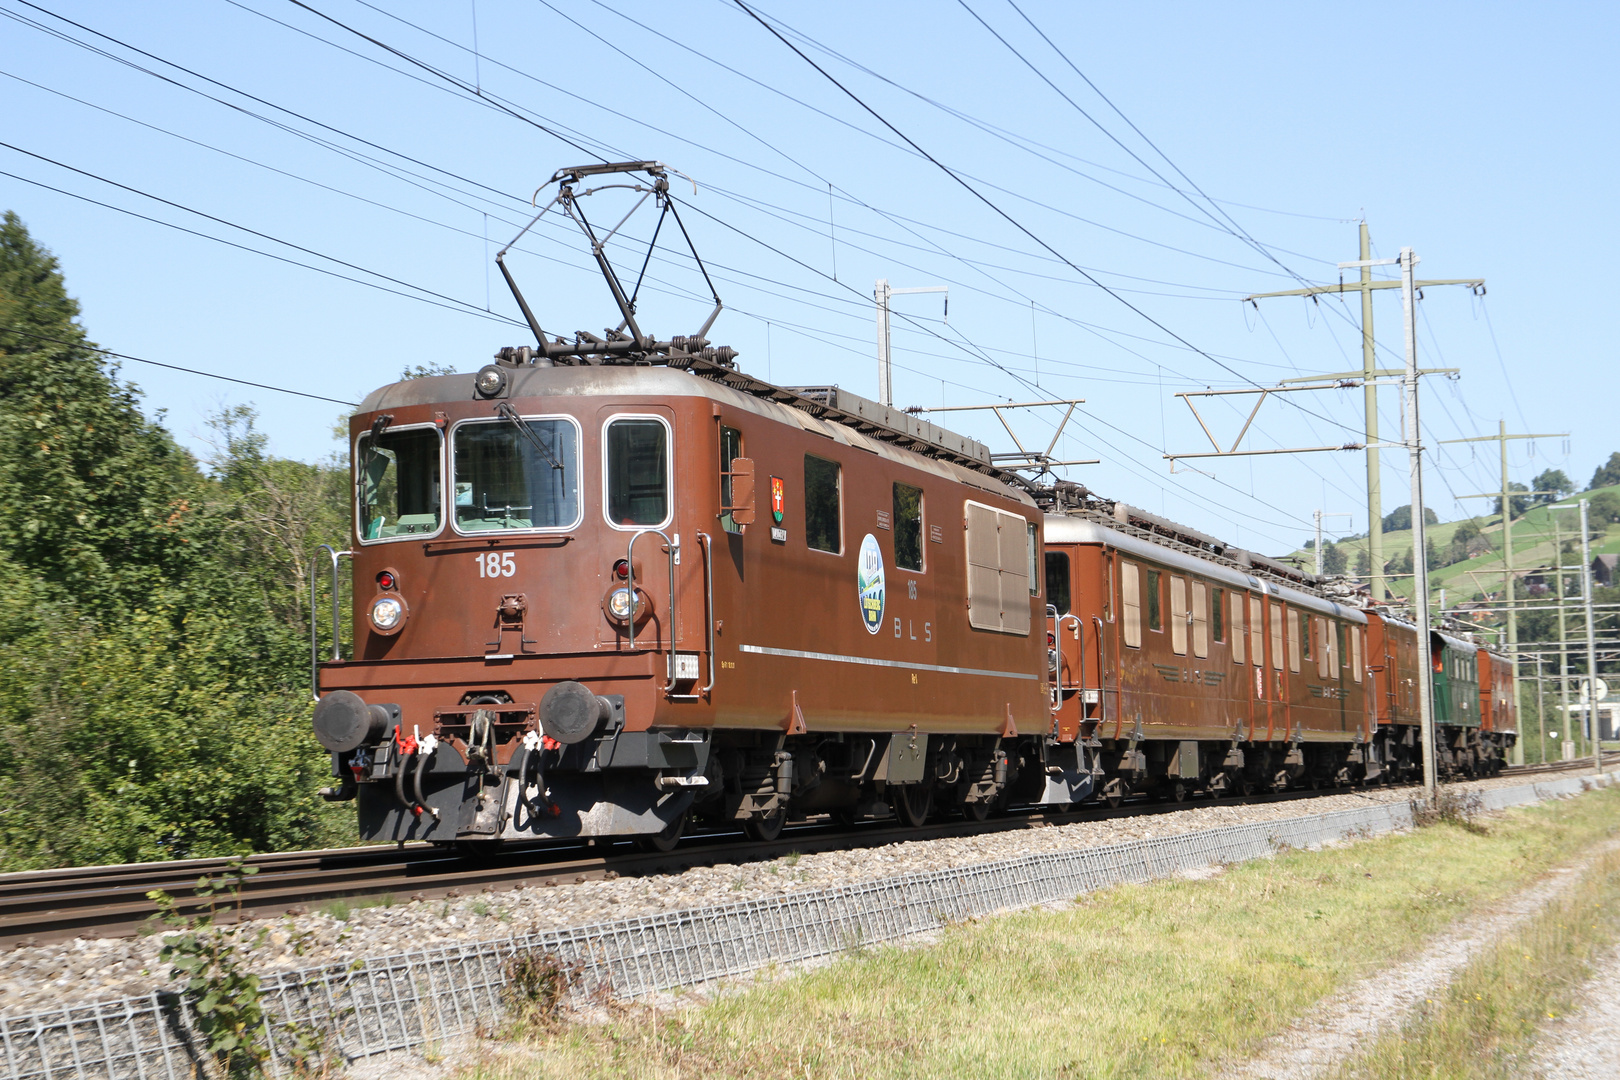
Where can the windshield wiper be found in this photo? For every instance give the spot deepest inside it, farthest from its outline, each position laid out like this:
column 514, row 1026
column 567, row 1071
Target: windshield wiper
column 506, row 412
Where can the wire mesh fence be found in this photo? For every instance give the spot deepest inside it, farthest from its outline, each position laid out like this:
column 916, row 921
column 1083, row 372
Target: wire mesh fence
column 422, row 998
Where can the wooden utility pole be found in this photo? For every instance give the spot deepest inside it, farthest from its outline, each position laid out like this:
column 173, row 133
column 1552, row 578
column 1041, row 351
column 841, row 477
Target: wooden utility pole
column 1368, row 373
column 1507, row 551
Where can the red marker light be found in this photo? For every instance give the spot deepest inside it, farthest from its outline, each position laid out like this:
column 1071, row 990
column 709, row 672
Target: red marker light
column 385, row 580
column 621, row 569
column 1051, row 640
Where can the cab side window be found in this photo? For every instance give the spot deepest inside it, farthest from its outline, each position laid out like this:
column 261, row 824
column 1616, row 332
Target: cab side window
column 823, row 525
column 1057, row 581
column 1130, row 602
column 1200, row 619
column 637, row 472
column 1257, row 634
column 1237, row 628
column 908, row 527
column 1178, row 615
column 730, row 450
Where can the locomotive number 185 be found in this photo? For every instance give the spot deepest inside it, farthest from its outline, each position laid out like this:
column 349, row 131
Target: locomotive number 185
column 496, row 564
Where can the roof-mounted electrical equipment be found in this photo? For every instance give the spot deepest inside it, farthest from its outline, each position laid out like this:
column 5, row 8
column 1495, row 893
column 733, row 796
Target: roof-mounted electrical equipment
column 627, row 343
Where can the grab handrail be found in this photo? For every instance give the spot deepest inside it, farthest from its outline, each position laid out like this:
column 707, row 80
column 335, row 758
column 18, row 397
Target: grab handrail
column 673, row 547
column 1102, row 673
column 708, row 619
column 1080, row 636
column 333, row 555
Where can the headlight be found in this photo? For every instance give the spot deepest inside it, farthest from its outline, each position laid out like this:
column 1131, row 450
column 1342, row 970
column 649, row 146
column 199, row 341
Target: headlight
column 386, row 612
column 619, row 603
column 490, row 380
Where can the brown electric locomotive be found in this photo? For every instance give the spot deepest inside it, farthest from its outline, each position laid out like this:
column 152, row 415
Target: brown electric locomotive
column 605, row 585
column 834, row 606
column 1190, row 665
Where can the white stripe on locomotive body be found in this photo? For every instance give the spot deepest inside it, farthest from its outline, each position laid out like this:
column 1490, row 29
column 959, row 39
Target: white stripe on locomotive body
column 872, row 661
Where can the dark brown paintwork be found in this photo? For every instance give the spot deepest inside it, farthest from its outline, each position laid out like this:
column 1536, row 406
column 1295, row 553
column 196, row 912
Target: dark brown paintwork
column 1394, row 661
column 767, row 595
column 1177, row 696
column 1497, row 710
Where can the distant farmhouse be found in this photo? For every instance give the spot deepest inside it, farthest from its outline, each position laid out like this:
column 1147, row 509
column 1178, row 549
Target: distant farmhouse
column 1604, row 568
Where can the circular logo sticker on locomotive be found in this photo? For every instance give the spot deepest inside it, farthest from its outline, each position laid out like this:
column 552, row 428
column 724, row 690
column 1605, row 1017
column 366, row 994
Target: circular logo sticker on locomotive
column 870, row 580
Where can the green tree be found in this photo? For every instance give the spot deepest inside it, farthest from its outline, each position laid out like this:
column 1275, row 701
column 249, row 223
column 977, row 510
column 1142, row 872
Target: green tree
column 1465, row 539
column 152, row 652
column 1553, row 485
column 93, row 497
column 1363, row 562
column 1400, row 518
column 1604, row 508
column 1334, row 560
column 425, row 371
column 1607, row 475
column 1520, row 503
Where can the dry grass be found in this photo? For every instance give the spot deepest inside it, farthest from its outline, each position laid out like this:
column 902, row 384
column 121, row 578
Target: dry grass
column 1161, row 980
column 1489, row 1016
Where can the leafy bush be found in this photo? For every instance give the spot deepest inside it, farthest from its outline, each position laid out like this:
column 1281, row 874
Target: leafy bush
column 153, row 631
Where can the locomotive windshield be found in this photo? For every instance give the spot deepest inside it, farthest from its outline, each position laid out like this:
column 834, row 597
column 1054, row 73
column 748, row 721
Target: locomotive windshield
column 516, row 475
column 637, row 472
column 397, row 483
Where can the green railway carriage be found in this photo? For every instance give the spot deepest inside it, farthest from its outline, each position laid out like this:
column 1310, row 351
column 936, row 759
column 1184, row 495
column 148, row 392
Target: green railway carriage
column 1456, row 681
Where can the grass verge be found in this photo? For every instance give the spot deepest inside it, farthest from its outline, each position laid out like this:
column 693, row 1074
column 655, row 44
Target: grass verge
column 1489, row 1016
column 1157, row 980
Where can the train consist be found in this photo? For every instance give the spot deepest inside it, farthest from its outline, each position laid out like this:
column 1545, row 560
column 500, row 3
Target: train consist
column 610, row 586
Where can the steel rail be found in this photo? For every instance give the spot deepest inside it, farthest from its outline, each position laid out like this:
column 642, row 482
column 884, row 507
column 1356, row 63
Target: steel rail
column 112, row 901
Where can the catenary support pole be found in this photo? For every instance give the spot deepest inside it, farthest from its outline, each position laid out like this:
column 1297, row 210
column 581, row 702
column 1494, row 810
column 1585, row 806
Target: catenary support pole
column 1504, row 499
column 1568, row 748
column 1367, row 376
column 1320, row 514
column 1420, row 555
column 1541, row 707
column 883, row 294
column 1591, row 645
column 1369, row 390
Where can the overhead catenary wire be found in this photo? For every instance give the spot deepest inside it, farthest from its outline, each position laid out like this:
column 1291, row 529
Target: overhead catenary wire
column 177, row 367
column 990, row 203
column 854, row 302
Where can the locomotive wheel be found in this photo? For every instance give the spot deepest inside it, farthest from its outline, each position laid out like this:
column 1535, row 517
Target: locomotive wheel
column 665, row 841
column 976, row 811
column 764, row 828
column 1178, row 791
column 1113, row 799
column 913, row 803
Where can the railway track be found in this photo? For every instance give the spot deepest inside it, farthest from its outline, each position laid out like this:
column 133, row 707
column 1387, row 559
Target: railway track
column 112, row 901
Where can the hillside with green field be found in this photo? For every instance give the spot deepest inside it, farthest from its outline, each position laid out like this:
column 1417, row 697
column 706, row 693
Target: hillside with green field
column 1477, row 572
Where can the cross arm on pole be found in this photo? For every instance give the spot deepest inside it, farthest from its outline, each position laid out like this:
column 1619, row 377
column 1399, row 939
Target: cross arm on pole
column 1497, row 438
column 1342, row 376
column 1357, row 286
column 1024, row 458
column 1257, row 453
column 1263, row 391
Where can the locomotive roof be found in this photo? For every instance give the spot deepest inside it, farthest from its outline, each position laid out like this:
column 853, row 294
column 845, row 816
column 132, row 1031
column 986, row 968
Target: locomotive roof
column 1068, row 529
column 1455, row 642
column 828, row 411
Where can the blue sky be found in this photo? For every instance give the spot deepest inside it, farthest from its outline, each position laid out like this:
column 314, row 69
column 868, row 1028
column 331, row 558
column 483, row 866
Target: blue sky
column 1234, row 152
